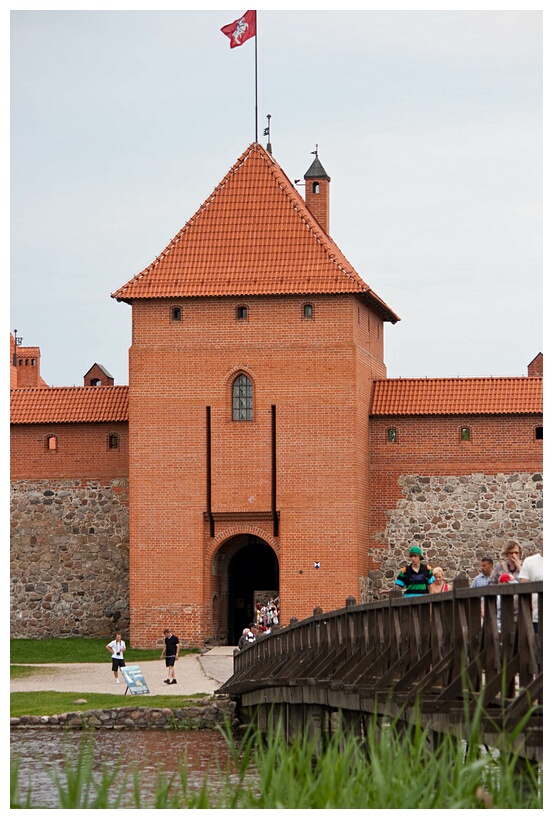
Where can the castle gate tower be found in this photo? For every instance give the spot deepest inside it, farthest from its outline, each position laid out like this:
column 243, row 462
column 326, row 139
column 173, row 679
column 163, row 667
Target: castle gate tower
column 254, row 347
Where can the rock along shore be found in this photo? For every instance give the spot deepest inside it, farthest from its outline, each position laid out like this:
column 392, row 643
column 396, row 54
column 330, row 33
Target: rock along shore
column 208, row 713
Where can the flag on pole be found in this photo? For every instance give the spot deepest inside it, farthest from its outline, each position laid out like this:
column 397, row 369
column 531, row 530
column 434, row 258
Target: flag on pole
column 241, row 30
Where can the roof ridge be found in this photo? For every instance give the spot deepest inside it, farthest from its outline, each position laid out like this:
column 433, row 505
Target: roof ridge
column 459, row 378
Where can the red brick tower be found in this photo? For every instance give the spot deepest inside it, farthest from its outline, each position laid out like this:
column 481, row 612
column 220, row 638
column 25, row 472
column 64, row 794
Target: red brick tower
column 255, row 344
column 317, row 193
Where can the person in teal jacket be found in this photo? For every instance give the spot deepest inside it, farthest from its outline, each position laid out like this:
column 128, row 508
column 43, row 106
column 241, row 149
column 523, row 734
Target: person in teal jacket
column 417, row 578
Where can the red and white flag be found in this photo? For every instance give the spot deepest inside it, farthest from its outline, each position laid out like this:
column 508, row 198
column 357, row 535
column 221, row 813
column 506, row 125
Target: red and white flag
column 241, row 30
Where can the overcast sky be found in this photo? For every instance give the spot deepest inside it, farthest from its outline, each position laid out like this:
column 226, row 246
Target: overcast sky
column 429, row 124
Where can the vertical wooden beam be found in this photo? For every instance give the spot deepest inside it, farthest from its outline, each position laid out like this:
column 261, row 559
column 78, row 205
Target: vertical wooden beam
column 274, row 471
column 208, row 471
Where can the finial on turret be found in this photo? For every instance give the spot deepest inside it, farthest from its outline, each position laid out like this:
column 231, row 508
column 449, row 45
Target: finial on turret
column 267, row 133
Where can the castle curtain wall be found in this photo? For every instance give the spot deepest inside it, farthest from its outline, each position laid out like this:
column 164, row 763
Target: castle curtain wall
column 69, row 530
column 459, row 499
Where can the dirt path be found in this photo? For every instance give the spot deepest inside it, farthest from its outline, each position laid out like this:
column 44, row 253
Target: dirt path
column 195, row 673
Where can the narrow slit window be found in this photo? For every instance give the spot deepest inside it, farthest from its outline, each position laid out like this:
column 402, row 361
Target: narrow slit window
column 392, row 435
column 539, row 433
column 308, row 311
column 242, row 312
column 242, row 399
column 465, row 433
column 316, row 187
column 113, row 441
column 51, row 443
column 176, row 313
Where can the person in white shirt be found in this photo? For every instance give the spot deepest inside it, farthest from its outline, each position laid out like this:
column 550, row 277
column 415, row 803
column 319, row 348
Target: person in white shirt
column 532, row 569
column 116, row 649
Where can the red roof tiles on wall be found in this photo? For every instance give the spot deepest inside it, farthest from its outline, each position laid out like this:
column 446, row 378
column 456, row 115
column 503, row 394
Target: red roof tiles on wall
column 457, row 396
column 253, row 236
column 59, row 405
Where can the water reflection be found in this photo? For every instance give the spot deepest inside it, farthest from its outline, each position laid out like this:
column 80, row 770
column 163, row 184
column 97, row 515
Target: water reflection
column 42, row 752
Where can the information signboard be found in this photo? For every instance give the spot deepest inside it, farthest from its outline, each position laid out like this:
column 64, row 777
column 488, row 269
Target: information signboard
column 134, row 678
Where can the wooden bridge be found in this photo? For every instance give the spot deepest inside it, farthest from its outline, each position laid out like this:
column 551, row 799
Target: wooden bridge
column 448, row 659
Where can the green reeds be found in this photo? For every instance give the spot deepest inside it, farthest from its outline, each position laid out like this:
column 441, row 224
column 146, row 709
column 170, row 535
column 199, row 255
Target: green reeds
column 387, row 768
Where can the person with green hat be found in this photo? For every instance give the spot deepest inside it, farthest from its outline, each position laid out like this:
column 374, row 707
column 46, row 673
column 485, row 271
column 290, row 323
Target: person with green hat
column 417, row 578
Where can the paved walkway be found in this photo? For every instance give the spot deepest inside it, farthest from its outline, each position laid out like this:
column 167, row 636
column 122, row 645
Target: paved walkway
column 195, row 673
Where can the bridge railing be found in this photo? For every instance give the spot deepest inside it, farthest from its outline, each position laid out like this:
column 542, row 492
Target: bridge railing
column 438, row 647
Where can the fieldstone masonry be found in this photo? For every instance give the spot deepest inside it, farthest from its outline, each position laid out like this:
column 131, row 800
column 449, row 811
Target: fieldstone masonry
column 70, row 543
column 69, row 558
column 207, row 713
column 456, row 521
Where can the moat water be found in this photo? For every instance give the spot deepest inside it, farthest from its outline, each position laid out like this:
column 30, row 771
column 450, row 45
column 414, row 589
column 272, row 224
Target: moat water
column 42, row 754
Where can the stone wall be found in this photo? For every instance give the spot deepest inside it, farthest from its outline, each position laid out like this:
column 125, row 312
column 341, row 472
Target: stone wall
column 205, row 714
column 457, row 520
column 69, row 558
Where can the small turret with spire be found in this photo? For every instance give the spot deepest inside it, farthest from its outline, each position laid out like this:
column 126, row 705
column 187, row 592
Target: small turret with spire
column 317, row 192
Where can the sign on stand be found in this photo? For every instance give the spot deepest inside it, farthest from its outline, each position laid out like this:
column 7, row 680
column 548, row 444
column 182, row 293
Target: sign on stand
column 134, row 678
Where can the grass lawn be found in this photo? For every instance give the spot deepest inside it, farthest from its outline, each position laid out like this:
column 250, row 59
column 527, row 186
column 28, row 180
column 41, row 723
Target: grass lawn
column 77, row 650
column 19, row 671
column 48, row 703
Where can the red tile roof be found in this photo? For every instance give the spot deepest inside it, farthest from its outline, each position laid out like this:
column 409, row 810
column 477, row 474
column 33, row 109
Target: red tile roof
column 253, row 236
column 457, row 396
column 66, row 405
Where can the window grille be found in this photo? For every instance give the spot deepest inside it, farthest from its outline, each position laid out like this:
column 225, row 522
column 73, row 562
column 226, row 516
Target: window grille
column 242, row 399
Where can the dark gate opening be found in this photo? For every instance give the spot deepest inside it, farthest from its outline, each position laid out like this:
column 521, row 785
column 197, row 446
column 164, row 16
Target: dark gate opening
column 252, row 568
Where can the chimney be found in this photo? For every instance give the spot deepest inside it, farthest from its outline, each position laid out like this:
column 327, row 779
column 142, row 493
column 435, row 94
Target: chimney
column 535, row 367
column 317, row 192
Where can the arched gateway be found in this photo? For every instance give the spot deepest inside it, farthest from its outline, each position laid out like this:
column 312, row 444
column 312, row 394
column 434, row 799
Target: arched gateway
column 247, row 567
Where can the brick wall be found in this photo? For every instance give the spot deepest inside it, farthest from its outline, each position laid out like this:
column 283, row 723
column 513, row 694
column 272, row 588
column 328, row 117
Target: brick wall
column 316, row 372
column 82, row 451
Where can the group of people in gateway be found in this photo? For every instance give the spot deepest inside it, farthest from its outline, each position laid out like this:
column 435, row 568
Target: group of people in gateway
column 267, row 615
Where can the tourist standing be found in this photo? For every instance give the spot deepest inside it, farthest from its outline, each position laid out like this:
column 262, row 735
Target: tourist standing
column 116, row 649
column 439, row 584
column 532, row 569
column 483, row 578
column 171, row 651
column 510, row 563
column 243, row 640
column 418, row 577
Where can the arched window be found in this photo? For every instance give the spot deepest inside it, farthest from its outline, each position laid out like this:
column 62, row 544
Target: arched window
column 316, row 187
column 51, row 443
column 242, row 399
column 308, row 311
column 95, row 382
column 465, row 433
column 176, row 313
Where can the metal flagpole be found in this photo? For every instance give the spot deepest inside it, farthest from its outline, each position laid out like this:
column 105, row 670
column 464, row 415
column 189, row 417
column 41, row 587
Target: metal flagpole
column 256, row 76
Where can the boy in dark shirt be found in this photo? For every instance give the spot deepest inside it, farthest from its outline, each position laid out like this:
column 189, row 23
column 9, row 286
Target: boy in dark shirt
column 417, row 578
column 171, row 651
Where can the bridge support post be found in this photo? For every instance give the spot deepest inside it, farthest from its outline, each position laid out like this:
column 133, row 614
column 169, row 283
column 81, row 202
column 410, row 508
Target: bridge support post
column 294, row 721
column 350, row 724
column 316, row 725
